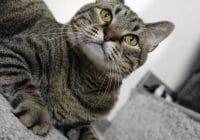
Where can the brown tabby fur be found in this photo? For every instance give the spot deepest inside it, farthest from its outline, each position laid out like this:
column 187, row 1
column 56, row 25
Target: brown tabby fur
column 46, row 76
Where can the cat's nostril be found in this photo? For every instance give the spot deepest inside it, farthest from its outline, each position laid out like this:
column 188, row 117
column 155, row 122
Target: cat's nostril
column 107, row 37
column 110, row 34
column 111, row 37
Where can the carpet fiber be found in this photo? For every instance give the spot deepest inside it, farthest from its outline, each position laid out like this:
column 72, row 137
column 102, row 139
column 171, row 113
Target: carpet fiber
column 147, row 118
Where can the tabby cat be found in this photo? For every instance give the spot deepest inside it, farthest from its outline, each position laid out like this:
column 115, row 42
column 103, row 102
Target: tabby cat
column 68, row 75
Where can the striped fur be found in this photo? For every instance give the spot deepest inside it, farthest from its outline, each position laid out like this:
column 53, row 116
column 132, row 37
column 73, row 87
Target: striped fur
column 87, row 133
column 58, row 74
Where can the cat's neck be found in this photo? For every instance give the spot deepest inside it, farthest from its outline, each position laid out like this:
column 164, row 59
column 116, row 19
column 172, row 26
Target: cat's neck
column 91, row 85
column 87, row 70
column 80, row 69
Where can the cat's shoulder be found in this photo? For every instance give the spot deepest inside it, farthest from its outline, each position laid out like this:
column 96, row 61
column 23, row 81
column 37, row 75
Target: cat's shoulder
column 19, row 15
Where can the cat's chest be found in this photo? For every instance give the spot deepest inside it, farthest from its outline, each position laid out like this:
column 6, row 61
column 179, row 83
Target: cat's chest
column 67, row 110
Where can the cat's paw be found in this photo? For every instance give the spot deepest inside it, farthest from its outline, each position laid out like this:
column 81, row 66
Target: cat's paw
column 32, row 113
column 88, row 133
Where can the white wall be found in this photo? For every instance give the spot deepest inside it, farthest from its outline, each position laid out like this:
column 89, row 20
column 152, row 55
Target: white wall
column 171, row 61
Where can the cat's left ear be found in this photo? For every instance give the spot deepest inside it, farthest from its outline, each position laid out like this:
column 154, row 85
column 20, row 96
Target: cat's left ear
column 157, row 32
column 114, row 1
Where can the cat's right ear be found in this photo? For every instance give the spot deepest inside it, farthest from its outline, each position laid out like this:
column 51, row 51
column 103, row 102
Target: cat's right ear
column 157, row 32
column 115, row 1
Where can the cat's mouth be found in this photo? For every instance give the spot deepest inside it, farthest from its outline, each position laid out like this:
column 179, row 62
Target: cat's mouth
column 102, row 46
column 101, row 53
column 104, row 49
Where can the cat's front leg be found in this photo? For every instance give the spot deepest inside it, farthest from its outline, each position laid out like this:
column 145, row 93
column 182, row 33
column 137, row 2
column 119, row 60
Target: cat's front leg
column 88, row 133
column 32, row 111
column 82, row 133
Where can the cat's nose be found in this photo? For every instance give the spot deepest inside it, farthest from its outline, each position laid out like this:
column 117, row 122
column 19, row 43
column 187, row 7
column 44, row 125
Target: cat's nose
column 111, row 34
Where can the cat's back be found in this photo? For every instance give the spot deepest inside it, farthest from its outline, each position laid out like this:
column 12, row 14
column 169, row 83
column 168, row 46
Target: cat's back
column 20, row 15
column 24, row 53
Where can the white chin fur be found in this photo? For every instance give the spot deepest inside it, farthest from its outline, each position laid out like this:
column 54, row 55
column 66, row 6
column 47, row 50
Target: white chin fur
column 96, row 54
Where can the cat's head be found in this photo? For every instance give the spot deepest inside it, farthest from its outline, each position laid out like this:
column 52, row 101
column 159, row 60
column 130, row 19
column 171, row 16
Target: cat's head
column 113, row 37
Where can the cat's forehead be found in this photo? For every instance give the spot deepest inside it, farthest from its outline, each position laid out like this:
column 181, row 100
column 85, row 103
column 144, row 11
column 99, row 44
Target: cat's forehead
column 126, row 19
column 105, row 5
column 123, row 16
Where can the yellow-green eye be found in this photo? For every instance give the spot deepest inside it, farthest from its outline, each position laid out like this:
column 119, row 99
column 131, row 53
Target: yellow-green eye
column 106, row 15
column 131, row 40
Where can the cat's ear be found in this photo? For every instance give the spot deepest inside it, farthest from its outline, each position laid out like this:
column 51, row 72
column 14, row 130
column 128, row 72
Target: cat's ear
column 115, row 1
column 157, row 32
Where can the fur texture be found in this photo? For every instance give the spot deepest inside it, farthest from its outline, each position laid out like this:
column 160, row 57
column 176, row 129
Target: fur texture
column 69, row 75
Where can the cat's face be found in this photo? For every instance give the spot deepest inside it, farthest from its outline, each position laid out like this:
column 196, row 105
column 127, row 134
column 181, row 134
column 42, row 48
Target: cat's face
column 113, row 37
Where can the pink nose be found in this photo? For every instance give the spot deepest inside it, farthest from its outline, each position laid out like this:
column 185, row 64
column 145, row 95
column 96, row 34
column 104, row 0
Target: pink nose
column 107, row 37
column 110, row 34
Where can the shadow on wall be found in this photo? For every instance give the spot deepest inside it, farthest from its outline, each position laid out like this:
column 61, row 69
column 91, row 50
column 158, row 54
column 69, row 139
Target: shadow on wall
column 188, row 94
column 194, row 67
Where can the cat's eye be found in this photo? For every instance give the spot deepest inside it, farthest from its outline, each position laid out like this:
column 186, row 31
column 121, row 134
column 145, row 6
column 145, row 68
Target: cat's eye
column 131, row 40
column 106, row 16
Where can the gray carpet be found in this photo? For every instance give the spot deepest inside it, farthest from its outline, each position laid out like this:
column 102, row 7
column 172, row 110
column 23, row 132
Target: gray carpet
column 147, row 118
column 12, row 129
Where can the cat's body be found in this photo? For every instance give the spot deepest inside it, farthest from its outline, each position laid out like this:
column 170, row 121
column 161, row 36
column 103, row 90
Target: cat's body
column 69, row 74
column 67, row 84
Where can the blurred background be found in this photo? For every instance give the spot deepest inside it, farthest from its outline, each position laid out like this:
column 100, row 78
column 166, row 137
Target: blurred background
column 174, row 60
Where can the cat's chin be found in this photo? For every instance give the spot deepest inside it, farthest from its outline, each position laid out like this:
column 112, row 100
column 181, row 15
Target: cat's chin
column 96, row 54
